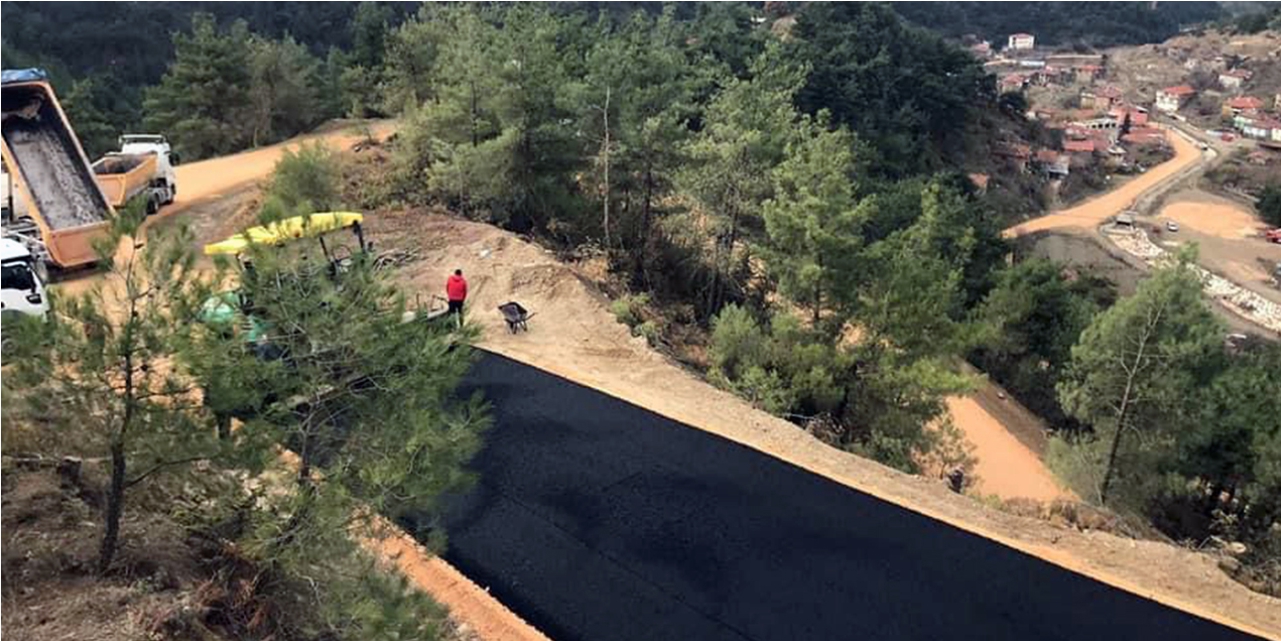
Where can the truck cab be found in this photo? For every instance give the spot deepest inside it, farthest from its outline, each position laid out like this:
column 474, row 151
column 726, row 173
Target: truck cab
column 21, row 285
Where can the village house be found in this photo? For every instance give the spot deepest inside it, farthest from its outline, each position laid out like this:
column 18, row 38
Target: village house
column 982, row 49
column 1051, row 75
column 1087, row 73
column 1021, row 42
column 1138, row 115
column 980, row 182
column 1233, row 107
column 1234, row 79
column 1144, row 136
column 1171, row 99
column 1013, row 82
column 1053, row 163
column 1016, row 155
column 1079, row 152
column 1102, row 98
column 1262, row 128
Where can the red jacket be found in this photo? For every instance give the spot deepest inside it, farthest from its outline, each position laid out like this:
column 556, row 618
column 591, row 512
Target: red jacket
column 456, row 287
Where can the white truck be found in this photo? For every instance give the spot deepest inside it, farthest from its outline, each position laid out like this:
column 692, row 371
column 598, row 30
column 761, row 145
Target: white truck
column 21, row 282
column 143, row 166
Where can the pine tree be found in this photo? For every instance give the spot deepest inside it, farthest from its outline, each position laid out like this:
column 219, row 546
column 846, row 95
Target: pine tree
column 201, row 103
column 1138, row 364
column 813, row 221
column 364, row 401
column 101, row 368
column 282, row 90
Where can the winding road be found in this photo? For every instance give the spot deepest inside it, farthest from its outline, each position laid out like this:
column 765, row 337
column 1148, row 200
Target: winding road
column 1004, row 465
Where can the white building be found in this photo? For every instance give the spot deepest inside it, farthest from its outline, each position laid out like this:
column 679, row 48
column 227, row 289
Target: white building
column 1234, row 79
column 1021, row 42
column 1171, row 99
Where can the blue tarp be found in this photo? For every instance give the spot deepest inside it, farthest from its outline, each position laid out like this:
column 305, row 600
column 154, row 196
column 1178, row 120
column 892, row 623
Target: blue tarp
column 22, row 75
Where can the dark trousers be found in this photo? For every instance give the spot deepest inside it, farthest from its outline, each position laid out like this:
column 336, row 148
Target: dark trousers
column 456, row 307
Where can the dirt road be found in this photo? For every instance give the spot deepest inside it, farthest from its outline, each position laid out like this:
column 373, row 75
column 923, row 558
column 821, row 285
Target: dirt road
column 216, row 177
column 1006, row 467
column 1098, row 209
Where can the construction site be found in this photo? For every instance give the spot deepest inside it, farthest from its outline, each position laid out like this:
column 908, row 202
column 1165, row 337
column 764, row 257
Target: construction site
column 620, row 493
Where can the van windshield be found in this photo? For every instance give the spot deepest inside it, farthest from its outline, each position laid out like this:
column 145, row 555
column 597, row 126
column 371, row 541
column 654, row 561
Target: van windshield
column 17, row 275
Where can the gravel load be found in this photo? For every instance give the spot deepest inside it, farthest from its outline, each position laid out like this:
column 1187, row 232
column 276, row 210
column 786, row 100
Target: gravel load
column 49, row 161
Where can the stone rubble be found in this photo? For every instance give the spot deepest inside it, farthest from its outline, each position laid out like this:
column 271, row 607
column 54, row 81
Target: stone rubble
column 1241, row 301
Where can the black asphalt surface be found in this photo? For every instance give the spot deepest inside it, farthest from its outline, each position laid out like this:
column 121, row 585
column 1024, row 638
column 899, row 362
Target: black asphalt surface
column 597, row 520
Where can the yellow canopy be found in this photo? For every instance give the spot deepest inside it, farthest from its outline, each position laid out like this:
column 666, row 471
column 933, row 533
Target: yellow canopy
column 283, row 230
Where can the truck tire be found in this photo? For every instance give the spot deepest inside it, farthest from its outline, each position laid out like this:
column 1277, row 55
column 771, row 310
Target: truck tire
column 171, row 193
column 153, row 205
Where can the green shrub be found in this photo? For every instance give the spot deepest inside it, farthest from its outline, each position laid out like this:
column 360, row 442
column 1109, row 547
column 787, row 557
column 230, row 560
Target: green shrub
column 650, row 330
column 307, row 180
column 627, row 309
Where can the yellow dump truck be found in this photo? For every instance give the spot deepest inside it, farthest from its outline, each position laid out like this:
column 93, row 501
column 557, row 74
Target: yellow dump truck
column 52, row 203
column 143, row 167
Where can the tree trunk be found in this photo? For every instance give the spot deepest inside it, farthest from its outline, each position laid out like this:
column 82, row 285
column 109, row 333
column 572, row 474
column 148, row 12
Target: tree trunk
column 643, row 254
column 608, row 244
column 475, row 140
column 1123, row 409
column 223, row 421
column 115, row 505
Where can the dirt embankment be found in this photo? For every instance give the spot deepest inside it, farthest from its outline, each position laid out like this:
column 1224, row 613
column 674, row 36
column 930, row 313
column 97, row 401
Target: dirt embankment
column 575, row 336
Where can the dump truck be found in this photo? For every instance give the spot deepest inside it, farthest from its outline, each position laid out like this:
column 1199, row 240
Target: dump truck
column 52, row 203
column 143, row 168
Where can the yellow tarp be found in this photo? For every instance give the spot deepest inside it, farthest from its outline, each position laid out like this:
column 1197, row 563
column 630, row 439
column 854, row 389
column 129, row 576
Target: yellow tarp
column 284, row 230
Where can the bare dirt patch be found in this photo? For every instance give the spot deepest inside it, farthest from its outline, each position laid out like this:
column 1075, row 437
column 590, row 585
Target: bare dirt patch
column 574, row 335
column 1217, row 217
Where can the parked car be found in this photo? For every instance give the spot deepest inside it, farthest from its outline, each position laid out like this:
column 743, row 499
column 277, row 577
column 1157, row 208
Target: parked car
column 1170, row 225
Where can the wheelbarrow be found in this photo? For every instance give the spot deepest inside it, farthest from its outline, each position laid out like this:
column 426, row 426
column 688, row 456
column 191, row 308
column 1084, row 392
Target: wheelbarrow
column 516, row 316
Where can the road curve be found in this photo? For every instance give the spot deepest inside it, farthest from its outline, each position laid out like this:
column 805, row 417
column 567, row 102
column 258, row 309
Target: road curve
column 1098, row 209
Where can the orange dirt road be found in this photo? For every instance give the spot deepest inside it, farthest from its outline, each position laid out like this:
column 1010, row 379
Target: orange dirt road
column 217, row 176
column 1004, row 466
column 1098, row 209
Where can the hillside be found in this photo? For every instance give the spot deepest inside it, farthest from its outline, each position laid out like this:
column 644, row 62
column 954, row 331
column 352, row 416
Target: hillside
column 1066, row 24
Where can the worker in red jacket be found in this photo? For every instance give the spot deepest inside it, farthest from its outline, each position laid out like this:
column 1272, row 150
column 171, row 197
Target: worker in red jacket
column 456, row 292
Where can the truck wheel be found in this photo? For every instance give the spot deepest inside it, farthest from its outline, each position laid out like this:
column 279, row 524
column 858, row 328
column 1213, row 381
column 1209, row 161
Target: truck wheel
column 153, row 206
column 171, row 194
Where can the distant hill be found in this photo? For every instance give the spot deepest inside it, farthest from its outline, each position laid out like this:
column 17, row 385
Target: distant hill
column 1094, row 24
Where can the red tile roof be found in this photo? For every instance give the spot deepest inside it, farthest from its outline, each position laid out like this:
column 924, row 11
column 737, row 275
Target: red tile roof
column 1245, row 102
column 1020, row 35
column 1180, row 90
column 1243, row 74
column 1078, row 146
column 1110, row 91
column 1047, row 155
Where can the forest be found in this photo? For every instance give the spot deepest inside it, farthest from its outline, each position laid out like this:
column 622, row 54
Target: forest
column 1073, row 24
column 795, row 192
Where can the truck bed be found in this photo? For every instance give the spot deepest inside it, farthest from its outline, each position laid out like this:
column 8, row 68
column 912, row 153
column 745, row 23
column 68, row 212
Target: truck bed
column 121, row 176
column 49, row 159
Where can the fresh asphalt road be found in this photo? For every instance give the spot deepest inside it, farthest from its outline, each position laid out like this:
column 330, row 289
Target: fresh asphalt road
column 597, row 520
